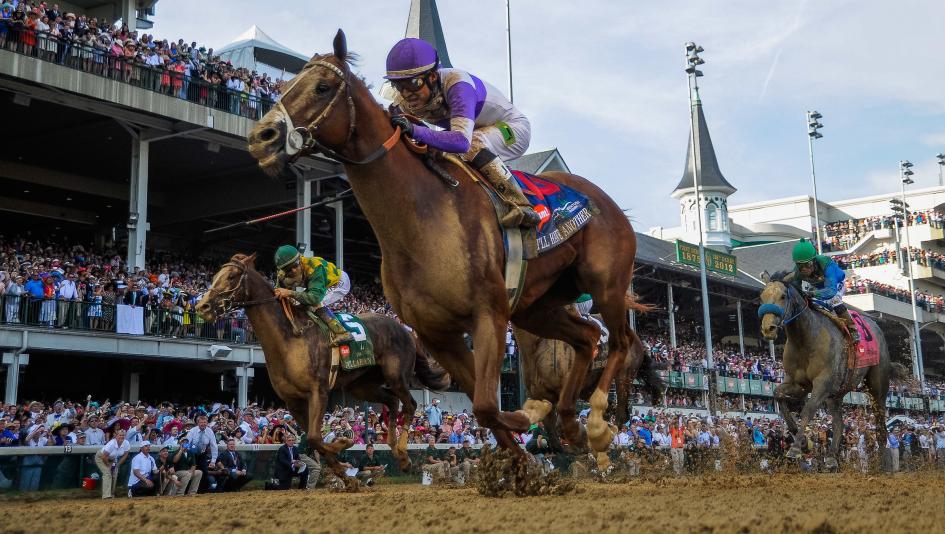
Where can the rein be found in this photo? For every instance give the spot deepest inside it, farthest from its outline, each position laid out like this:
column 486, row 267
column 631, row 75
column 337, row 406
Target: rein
column 228, row 303
column 301, row 141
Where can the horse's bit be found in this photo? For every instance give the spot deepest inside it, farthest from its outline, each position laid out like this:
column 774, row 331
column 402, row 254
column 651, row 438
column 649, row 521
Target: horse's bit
column 300, row 141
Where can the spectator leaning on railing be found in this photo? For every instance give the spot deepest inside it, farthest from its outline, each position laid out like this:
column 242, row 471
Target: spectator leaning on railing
column 176, row 69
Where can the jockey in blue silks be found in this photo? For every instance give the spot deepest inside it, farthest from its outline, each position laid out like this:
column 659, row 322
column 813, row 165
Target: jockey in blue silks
column 826, row 277
column 476, row 120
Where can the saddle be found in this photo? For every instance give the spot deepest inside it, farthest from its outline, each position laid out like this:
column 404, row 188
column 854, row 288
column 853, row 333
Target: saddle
column 563, row 211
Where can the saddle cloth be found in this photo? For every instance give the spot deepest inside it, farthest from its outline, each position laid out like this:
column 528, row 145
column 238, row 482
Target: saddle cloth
column 866, row 352
column 563, row 210
column 357, row 354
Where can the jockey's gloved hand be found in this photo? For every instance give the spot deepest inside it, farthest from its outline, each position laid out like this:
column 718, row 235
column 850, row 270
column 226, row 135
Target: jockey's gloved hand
column 405, row 125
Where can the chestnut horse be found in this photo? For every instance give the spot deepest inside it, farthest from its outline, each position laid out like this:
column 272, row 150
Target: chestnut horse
column 299, row 366
column 443, row 252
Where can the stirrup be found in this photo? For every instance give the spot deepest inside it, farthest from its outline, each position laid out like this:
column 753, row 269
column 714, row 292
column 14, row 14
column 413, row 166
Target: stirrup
column 520, row 216
column 341, row 339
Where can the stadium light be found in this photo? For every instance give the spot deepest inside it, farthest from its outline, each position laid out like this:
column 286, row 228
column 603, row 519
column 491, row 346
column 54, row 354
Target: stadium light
column 905, row 174
column 941, row 165
column 692, row 61
column 813, row 125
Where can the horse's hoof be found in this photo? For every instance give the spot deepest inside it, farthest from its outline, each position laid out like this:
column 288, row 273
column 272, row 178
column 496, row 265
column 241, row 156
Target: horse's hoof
column 793, row 453
column 536, row 410
column 604, row 467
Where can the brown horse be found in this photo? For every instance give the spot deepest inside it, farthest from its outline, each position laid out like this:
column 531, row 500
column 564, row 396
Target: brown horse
column 299, row 366
column 443, row 253
column 546, row 364
column 815, row 363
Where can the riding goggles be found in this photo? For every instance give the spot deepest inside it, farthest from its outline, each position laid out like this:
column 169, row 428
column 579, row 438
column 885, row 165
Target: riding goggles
column 410, row 85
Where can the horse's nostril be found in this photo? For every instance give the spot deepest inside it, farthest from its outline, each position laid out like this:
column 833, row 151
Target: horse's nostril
column 268, row 134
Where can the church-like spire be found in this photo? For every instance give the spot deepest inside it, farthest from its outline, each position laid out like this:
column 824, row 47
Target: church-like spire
column 424, row 23
column 710, row 175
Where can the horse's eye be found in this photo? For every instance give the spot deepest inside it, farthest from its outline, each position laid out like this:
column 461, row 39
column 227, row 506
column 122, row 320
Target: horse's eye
column 322, row 88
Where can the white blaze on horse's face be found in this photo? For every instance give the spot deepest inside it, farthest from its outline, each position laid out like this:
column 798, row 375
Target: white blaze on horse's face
column 773, row 293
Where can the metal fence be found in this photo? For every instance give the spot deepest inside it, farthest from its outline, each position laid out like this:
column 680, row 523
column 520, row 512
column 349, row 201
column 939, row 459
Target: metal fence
column 103, row 62
column 173, row 322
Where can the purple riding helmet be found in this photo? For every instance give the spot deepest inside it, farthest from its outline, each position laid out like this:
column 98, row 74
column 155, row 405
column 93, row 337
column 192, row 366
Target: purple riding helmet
column 409, row 58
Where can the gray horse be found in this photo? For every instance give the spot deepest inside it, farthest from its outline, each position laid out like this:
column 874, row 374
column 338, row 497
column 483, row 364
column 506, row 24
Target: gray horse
column 815, row 363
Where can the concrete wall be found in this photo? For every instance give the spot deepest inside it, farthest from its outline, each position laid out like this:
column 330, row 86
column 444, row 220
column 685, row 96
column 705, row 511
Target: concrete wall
column 126, row 346
column 67, row 79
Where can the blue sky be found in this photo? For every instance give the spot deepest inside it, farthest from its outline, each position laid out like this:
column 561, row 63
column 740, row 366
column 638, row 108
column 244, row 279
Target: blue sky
column 603, row 81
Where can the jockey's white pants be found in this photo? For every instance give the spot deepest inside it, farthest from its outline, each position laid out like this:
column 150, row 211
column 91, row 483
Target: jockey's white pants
column 491, row 137
column 338, row 291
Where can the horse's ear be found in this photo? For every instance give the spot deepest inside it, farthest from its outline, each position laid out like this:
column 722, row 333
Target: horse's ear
column 765, row 277
column 250, row 260
column 341, row 45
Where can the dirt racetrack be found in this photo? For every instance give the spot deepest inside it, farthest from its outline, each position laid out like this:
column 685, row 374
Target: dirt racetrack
column 721, row 503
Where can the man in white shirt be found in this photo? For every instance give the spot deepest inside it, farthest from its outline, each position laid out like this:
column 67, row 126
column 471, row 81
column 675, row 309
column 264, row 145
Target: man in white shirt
column 93, row 434
column 622, row 439
column 249, row 435
column 68, row 299
column 144, row 471
column 109, row 459
column 202, row 438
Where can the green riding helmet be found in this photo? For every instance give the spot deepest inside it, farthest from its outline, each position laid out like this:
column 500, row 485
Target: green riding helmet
column 286, row 255
column 803, row 251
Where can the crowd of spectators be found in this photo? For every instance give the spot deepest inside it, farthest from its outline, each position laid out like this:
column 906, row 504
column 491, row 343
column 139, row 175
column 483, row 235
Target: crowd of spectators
column 175, row 68
column 691, row 443
column 842, row 235
column 923, row 257
column 58, row 284
column 924, row 299
column 689, row 356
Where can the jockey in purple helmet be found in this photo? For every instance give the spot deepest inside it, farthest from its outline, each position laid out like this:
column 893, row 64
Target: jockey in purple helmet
column 478, row 122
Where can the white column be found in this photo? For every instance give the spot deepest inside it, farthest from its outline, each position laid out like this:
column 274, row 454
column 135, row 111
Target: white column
column 129, row 14
column 771, row 348
column 741, row 328
column 339, row 234
column 671, row 306
column 13, row 362
column 134, row 387
column 243, row 374
column 137, row 224
column 631, row 314
column 303, row 219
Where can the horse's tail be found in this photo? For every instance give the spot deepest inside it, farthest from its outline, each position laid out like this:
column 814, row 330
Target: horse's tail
column 634, row 304
column 899, row 371
column 430, row 374
column 651, row 378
